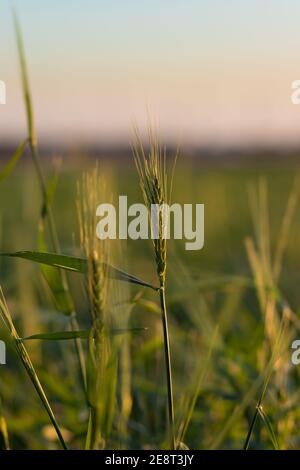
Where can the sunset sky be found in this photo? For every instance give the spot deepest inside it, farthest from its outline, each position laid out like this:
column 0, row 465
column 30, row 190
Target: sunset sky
column 210, row 72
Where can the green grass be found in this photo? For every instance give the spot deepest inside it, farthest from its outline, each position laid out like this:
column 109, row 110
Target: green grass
column 214, row 287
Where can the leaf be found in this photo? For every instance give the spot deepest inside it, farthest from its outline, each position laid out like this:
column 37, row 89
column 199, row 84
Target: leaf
column 83, row 334
column 51, row 188
column 52, row 259
column 149, row 306
column 26, row 361
column 122, row 331
column 269, row 427
column 71, row 263
column 61, row 297
column 200, row 378
column 61, row 335
column 8, row 168
column 25, row 81
column 4, row 441
column 107, row 400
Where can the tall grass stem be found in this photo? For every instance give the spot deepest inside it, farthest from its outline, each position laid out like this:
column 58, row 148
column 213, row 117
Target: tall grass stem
column 168, row 368
column 37, row 164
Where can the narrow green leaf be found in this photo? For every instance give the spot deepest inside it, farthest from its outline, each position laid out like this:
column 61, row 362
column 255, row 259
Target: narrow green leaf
column 123, row 331
column 61, row 335
column 8, row 168
column 4, row 441
column 26, row 361
column 51, row 188
column 149, row 306
column 75, row 264
column 25, row 81
column 269, row 427
column 83, row 334
column 69, row 263
column 61, row 297
column 107, row 401
column 200, row 378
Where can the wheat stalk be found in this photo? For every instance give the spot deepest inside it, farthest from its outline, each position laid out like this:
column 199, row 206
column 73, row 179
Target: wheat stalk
column 154, row 185
column 33, row 145
column 26, row 361
column 96, row 251
column 4, row 439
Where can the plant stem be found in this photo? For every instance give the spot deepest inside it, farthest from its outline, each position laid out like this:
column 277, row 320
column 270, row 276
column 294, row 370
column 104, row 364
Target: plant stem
column 264, row 387
column 43, row 187
column 247, row 441
column 26, row 361
column 40, row 391
column 168, row 368
column 55, row 243
column 95, row 436
column 79, row 350
column 4, row 440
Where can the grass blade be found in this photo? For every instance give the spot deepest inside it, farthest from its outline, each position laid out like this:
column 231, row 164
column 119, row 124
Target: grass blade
column 25, row 82
column 59, row 291
column 38, row 168
column 71, row 263
column 59, row 336
column 8, row 168
column 26, row 361
column 269, row 427
column 199, row 381
column 82, row 334
column 4, row 440
column 269, row 372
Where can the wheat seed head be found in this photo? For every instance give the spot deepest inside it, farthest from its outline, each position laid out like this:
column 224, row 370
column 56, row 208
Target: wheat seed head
column 152, row 171
column 91, row 190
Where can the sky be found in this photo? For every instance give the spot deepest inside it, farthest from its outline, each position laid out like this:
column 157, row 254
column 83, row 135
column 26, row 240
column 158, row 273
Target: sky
column 208, row 72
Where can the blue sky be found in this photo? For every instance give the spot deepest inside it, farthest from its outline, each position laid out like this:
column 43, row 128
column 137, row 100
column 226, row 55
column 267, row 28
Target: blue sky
column 210, row 71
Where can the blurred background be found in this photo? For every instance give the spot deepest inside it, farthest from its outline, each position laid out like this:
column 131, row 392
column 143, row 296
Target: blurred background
column 213, row 74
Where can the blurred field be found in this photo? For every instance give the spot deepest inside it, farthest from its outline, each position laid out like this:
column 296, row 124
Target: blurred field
column 220, row 342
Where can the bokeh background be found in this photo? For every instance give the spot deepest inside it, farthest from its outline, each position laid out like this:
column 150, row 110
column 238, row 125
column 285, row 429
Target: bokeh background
column 212, row 73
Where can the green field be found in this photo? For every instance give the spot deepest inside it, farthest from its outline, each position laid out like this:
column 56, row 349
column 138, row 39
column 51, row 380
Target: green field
column 224, row 316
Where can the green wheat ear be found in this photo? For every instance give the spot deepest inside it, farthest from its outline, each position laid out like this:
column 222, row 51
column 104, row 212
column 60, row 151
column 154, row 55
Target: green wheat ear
column 153, row 182
column 100, row 366
column 152, row 171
